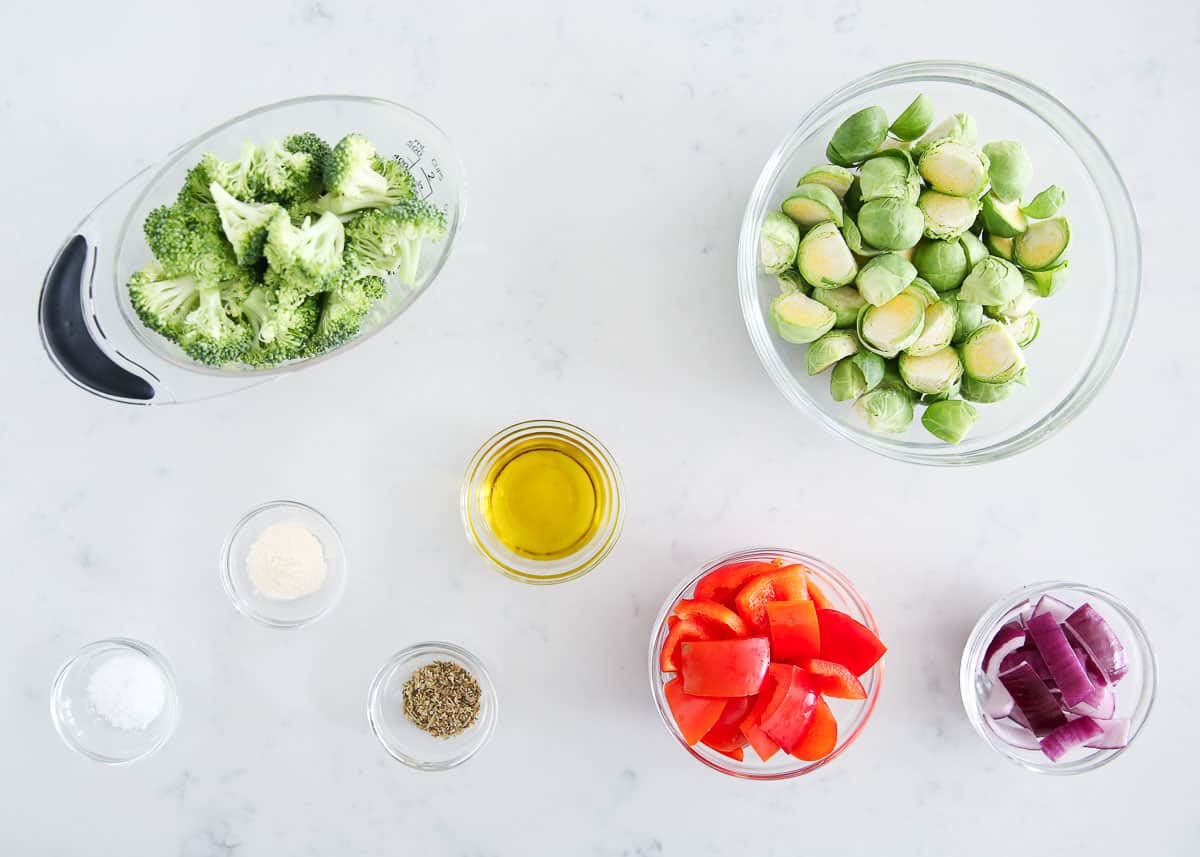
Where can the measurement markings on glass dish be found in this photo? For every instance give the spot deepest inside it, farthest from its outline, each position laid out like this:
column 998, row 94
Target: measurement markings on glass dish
column 428, row 174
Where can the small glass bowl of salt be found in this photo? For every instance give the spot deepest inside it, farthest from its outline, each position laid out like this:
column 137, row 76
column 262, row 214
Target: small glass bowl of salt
column 283, row 564
column 115, row 701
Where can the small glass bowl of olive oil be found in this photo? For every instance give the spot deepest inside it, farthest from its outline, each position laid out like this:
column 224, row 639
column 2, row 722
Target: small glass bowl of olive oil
column 542, row 501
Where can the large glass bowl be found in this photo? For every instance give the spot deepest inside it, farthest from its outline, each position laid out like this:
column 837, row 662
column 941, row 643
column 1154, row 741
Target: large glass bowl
column 852, row 715
column 1084, row 327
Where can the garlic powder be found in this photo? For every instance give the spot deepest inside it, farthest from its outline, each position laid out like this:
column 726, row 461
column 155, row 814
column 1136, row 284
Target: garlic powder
column 287, row 562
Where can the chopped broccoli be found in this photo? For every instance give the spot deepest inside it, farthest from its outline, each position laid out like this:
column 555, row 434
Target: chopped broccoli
column 195, row 192
column 163, row 303
column 282, row 175
column 357, row 178
column 237, row 177
column 319, row 151
column 305, row 256
column 245, row 223
column 188, row 240
column 209, row 335
column 281, row 329
column 375, row 288
column 342, row 312
column 382, row 242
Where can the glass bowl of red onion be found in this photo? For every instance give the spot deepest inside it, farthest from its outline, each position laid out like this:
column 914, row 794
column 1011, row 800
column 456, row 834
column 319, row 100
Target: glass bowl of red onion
column 1058, row 677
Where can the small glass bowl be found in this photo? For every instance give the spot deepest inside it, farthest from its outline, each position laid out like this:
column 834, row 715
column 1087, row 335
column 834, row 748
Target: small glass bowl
column 89, row 734
column 404, row 741
column 280, row 613
column 1134, row 693
column 852, row 715
column 512, row 564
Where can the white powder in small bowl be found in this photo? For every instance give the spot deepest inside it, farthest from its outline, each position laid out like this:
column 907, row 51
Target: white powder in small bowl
column 128, row 691
column 287, row 562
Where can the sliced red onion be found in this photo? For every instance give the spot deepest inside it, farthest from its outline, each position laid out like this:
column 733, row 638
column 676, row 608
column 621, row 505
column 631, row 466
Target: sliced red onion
column 1014, row 735
column 1114, row 736
column 1102, row 705
column 1027, row 654
column 1008, row 632
column 1075, row 733
column 1056, row 651
column 1020, row 719
column 1098, row 640
column 1057, row 608
column 999, row 702
column 1039, row 707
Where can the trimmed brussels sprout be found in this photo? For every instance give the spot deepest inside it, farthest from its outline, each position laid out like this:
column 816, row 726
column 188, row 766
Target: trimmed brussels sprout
column 1002, row 218
column 829, row 349
column 791, row 281
column 1042, row 245
column 993, row 282
column 890, row 224
column 960, row 127
column 824, row 259
column 954, row 168
column 836, row 178
column 1010, row 169
column 885, row 409
column 884, row 277
column 810, row 204
column 1046, row 203
column 997, row 246
column 779, row 241
column 984, row 393
column 889, row 329
column 991, row 355
column 800, row 319
column 1047, row 282
column 973, row 248
column 941, row 319
column 968, row 318
column 845, row 301
column 854, row 239
column 922, row 291
column 931, row 373
column 949, row 420
column 942, row 264
column 858, row 137
column 915, row 120
column 889, row 174
column 856, row 375
column 1021, row 305
column 944, row 216
column 1025, row 329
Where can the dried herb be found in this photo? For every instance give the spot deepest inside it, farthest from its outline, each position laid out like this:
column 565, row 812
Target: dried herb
column 442, row 699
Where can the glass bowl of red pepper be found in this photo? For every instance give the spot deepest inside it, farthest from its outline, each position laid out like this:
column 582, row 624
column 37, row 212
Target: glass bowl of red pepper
column 765, row 663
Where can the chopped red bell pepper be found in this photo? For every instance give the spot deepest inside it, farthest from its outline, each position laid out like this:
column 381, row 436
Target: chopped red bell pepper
column 737, row 754
column 726, row 734
column 846, row 641
column 694, row 715
column 758, row 740
column 787, row 716
column 818, row 597
column 684, row 630
column 718, row 616
column 834, row 680
column 795, row 635
column 821, row 737
column 786, row 584
column 722, row 584
column 724, row 667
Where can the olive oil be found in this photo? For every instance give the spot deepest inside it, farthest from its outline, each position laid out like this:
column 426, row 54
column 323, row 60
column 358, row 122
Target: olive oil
column 544, row 498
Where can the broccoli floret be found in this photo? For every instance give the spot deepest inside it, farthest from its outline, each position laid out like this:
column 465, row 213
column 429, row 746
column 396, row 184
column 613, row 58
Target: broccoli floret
column 281, row 329
column 195, row 192
column 187, row 240
column 356, row 178
column 383, row 242
column 375, row 288
column 245, row 224
column 306, row 257
column 163, row 303
column 283, row 176
column 208, row 334
column 342, row 312
column 238, row 177
column 319, row 151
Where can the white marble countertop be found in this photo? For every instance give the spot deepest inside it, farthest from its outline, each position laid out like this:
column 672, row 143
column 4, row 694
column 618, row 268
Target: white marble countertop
column 609, row 157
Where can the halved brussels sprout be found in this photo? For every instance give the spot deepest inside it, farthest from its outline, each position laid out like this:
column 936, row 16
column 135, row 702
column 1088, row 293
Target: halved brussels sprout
column 1047, row 282
column 829, row 349
column 889, row 174
column 992, row 355
column 845, row 301
column 1025, row 329
column 854, row 239
column 915, row 120
column 973, row 248
column 1010, row 170
column 931, row 373
column 858, row 137
column 984, row 393
column 884, row 277
column 885, row 409
column 1021, row 305
column 836, row 178
column 954, row 168
column 791, row 281
column 945, row 216
column 800, row 319
column 1003, row 219
column 922, row 291
column 1042, row 245
column 941, row 319
column 890, row 224
column 993, row 282
column 853, row 199
column 949, row 420
column 856, row 375
column 997, row 246
column 942, row 264
column 824, row 259
column 959, row 127
column 889, row 329
column 968, row 317
column 1046, row 203
column 810, row 204
column 779, row 241
column 950, row 392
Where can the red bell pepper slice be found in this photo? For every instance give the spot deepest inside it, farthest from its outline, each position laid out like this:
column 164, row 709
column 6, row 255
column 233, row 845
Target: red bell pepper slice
column 758, row 740
column 737, row 754
column 846, row 641
column 786, row 584
column 834, row 680
column 795, row 635
column 694, row 715
column 682, row 631
column 821, row 737
column 726, row 734
column 718, row 616
column 787, row 717
column 722, row 584
column 724, row 668
column 818, row 597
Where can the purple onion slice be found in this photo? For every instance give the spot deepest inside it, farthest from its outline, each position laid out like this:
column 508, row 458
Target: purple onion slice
column 1075, row 733
column 1056, row 607
column 1037, row 704
column 1114, row 736
column 1056, row 651
column 1099, row 641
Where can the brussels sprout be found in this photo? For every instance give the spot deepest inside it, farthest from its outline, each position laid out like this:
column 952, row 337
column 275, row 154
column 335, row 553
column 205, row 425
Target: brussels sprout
column 941, row 319
column 790, row 281
column 1002, row 218
column 779, row 241
column 854, row 240
column 991, row 355
column 1021, row 305
column 1002, row 247
column 949, row 420
column 829, row 349
column 973, row 248
column 992, row 282
column 824, row 259
column 984, row 393
column 1025, row 329
column 890, row 224
column 950, row 392
column 945, row 216
column 1046, row 203
column 931, row 373
column 922, row 291
column 915, row 120
column 889, row 329
column 836, row 178
column 954, row 168
column 1010, row 170
column 856, row 375
column 960, row 127
column 884, row 277
column 1042, row 245
column 968, row 318
column 800, row 319
column 1047, row 282
column 853, row 199
column 810, row 204
column 845, row 301
column 942, row 264
column 859, row 137
column 889, row 174
column 885, row 409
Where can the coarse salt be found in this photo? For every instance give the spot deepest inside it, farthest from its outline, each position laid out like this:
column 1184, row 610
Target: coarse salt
column 128, row 691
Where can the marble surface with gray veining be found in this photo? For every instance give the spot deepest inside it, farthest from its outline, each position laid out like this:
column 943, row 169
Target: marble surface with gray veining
column 610, row 152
